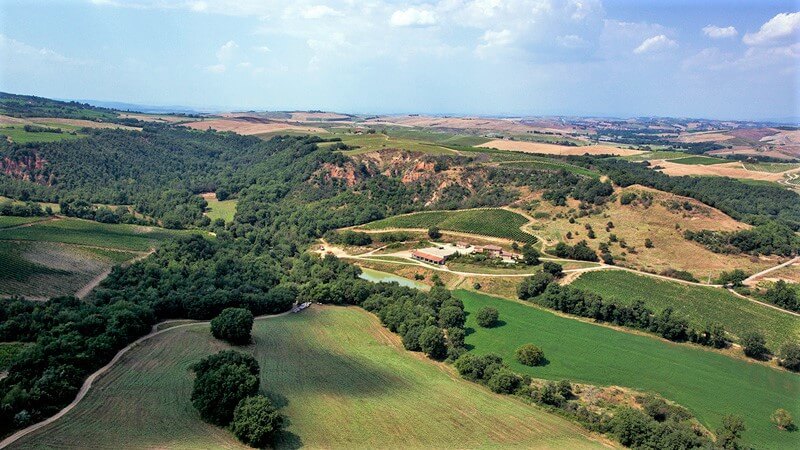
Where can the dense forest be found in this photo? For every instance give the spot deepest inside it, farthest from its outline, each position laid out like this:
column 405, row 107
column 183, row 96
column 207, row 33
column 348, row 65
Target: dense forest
column 30, row 106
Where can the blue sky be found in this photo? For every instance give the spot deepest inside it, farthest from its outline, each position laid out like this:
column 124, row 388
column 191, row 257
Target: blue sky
column 716, row 59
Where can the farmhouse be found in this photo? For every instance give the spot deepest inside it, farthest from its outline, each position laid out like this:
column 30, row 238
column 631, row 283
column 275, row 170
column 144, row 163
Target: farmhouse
column 438, row 255
column 491, row 250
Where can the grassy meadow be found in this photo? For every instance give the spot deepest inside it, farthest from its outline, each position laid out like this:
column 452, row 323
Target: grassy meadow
column 341, row 378
column 700, row 305
column 221, row 209
column 552, row 165
column 15, row 221
column 708, row 383
column 372, row 142
column 18, row 135
column 492, row 222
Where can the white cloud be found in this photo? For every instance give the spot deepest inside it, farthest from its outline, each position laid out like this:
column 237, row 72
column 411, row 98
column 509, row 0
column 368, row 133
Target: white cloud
column 262, row 49
column 715, row 32
column 655, row 44
column 571, row 41
column 413, row 17
column 45, row 54
column 318, row 12
column 780, row 27
column 492, row 40
column 216, row 68
column 226, row 51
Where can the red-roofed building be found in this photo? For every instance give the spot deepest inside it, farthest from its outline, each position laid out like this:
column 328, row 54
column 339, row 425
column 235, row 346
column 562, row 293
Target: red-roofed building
column 427, row 257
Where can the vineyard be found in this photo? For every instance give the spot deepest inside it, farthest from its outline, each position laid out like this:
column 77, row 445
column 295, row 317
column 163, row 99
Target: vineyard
column 36, row 269
column 708, row 383
column 84, row 232
column 551, row 165
column 493, row 222
column 700, row 305
column 15, row 221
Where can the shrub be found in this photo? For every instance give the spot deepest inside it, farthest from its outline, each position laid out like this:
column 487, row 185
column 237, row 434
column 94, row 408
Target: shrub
column 530, row 355
column 478, row 368
column 434, row 233
column 553, row 268
column 233, row 325
column 256, row 421
column 504, row 381
column 534, row 285
column 789, row 356
column 782, row 419
column 733, row 278
column 648, row 243
column 487, row 317
column 754, row 345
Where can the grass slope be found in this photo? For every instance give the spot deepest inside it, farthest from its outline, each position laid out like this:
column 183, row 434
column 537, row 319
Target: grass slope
column 343, row 381
column 701, row 305
column 371, row 142
column 14, row 221
column 18, row 135
column 708, row 383
column 221, row 209
column 493, row 222
column 85, row 232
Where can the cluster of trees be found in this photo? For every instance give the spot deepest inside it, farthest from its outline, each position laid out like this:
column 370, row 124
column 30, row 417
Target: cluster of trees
column 771, row 238
column 26, row 209
column 349, row 237
column 225, row 393
column 100, row 213
column 579, row 251
column 69, row 339
column 783, row 295
column 562, row 184
column 587, row 304
column 31, row 106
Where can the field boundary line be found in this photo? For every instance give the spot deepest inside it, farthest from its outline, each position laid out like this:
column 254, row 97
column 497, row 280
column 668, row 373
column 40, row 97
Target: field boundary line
column 87, row 384
column 771, row 269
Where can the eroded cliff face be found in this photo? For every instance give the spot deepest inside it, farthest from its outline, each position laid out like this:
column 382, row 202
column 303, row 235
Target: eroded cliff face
column 27, row 167
column 409, row 168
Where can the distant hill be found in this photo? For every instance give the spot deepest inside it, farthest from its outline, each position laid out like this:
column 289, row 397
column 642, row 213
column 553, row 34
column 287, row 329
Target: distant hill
column 31, row 106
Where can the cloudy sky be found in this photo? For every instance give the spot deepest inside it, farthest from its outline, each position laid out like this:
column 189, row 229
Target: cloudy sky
column 686, row 58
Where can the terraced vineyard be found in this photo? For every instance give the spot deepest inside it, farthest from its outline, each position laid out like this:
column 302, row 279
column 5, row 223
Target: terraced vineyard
column 706, row 382
column 341, row 378
column 700, row 305
column 492, row 222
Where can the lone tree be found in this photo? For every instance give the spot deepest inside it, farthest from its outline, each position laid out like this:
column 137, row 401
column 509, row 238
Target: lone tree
column 434, row 233
column 256, row 421
column 754, row 345
column 233, row 325
column 782, row 419
column 487, row 317
column 530, row 355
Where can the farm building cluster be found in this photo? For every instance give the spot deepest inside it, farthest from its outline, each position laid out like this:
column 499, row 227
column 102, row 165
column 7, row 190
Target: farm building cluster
column 438, row 255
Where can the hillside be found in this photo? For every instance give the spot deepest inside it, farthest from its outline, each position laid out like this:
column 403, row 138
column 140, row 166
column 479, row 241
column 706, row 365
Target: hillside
column 341, row 378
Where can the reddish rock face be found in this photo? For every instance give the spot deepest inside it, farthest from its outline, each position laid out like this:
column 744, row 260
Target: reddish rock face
column 25, row 167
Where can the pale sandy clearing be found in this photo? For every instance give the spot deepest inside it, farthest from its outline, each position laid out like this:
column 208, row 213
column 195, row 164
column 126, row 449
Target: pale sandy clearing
column 552, row 149
column 250, row 126
column 704, row 136
column 732, row 169
column 154, row 117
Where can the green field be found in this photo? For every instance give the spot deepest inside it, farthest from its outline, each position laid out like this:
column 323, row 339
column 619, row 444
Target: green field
column 341, row 378
column 15, row 221
column 770, row 167
column 221, row 209
column 493, row 222
column 46, row 269
column 699, row 160
column 85, row 232
column 20, row 136
column 552, row 165
column 708, row 383
column 700, row 305
column 371, row 142
column 658, row 154
column 436, row 137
